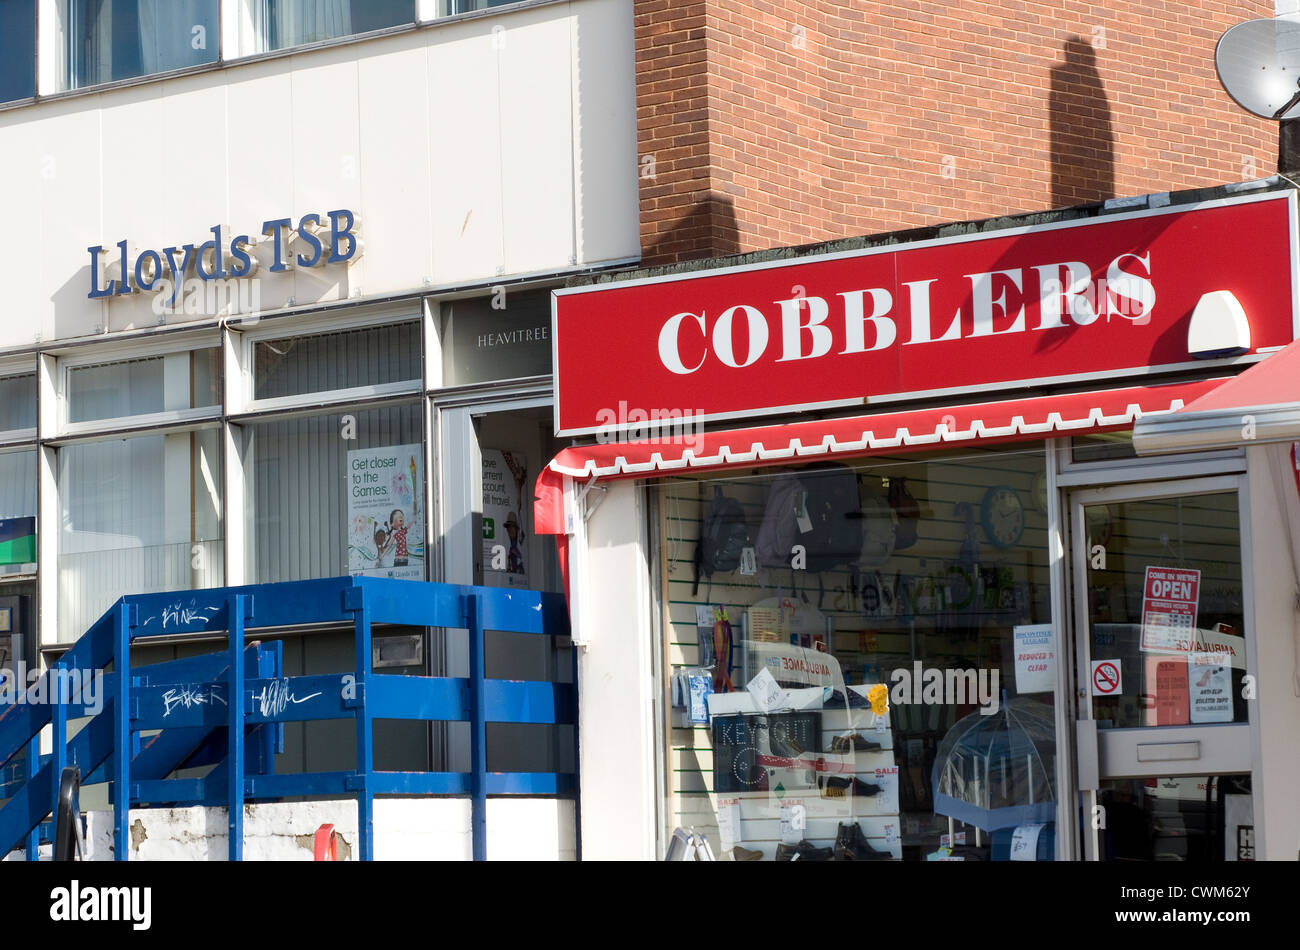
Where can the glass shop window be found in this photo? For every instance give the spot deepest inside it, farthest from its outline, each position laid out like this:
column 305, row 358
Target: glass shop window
column 17, row 49
column 281, row 24
column 336, row 494
column 862, row 662
column 176, row 381
column 344, row 359
column 107, row 40
column 17, row 402
column 17, row 512
column 138, row 515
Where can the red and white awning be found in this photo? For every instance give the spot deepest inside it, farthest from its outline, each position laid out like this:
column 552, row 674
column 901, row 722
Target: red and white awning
column 1014, row 420
column 1261, row 405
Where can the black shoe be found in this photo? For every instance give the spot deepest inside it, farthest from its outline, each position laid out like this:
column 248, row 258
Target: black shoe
column 803, row 851
column 850, row 697
column 842, row 745
column 851, row 845
column 836, row 786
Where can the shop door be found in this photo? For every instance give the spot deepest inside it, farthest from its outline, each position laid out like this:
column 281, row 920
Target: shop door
column 1162, row 626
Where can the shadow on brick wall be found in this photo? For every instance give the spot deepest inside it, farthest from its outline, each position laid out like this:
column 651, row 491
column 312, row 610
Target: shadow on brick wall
column 1082, row 140
column 709, row 229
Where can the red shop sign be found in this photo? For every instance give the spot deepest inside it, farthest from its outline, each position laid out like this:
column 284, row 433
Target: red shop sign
column 1075, row 300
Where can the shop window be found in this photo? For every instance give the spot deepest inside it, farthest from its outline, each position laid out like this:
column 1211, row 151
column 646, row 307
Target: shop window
column 17, row 512
column 107, row 40
column 281, row 24
column 862, row 659
column 346, row 359
column 1103, row 447
column 176, row 381
column 17, row 49
column 138, row 515
column 505, row 336
column 17, row 402
column 336, row 494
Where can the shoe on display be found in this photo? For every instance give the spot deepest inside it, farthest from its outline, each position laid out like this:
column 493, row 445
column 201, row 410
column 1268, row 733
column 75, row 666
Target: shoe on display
column 805, row 850
column 835, row 786
column 745, row 854
column 852, row 845
column 854, row 742
column 850, row 697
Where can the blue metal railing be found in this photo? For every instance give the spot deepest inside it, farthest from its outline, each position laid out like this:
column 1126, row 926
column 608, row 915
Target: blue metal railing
column 244, row 694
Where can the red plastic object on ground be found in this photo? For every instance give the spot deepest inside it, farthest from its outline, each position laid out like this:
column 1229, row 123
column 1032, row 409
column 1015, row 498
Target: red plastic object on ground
column 326, row 844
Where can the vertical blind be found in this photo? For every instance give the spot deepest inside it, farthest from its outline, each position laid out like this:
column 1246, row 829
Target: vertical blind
column 137, row 516
column 297, row 469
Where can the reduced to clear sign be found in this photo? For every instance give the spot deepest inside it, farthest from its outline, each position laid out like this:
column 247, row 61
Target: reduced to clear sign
column 1169, row 598
column 1035, row 658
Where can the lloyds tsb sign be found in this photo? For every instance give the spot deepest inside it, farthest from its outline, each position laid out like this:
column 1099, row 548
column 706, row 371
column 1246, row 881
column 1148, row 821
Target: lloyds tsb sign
column 315, row 241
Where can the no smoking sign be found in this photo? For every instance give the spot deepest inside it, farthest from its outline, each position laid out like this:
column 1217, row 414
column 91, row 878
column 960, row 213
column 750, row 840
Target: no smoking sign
column 1106, row 678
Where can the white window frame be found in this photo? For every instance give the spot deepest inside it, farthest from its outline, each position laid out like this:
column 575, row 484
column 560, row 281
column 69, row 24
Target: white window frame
column 324, row 323
column 25, row 366
column 99, row 355
column 1072, row 474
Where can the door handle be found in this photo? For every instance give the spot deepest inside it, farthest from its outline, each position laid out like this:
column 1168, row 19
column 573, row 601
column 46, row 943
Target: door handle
column 1088, row 763
column 1168, row 751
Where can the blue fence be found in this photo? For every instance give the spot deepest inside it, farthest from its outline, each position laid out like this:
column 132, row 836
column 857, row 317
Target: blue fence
column 229, row 708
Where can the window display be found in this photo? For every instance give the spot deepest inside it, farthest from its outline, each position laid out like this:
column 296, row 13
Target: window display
column 862, row 660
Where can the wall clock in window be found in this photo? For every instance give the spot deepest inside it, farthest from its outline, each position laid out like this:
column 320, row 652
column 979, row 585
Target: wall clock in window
column 1002, row 515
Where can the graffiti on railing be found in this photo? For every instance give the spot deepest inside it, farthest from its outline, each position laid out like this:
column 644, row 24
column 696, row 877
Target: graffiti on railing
column 179, row 615
column 274, row 698
column 187, row 697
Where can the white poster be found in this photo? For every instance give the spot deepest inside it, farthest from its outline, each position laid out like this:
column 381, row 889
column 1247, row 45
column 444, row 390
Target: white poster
column 505, row 537
column 1209, row 681
column 1035, row 658
column 386, row 512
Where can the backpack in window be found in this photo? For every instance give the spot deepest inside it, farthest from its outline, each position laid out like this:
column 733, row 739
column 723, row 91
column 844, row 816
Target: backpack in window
column 832, row 503
column 779, row 531
column 724, row 535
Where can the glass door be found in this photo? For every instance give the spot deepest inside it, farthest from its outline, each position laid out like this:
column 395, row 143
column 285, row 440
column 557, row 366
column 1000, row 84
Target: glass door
column 1163, row 655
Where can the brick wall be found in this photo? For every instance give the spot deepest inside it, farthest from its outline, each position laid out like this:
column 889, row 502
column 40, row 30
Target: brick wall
column 767, row 123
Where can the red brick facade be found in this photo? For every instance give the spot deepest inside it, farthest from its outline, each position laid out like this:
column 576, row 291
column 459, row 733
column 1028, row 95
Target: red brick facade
column 766, row 123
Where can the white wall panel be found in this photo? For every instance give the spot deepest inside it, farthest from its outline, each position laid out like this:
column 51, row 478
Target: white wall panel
column 71, row 220
column 458, row 155
column 397, row 191
column 605, row 148
column 465, row 155
column 21, row 164
column 537, row 180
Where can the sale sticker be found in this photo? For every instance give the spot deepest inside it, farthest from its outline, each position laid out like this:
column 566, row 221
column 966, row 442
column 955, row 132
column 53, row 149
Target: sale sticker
column 1169, row 599
column 793, row 821
column 1106, row 678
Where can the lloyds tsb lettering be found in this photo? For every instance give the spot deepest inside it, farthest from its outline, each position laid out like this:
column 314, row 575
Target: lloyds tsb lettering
column 317, row 240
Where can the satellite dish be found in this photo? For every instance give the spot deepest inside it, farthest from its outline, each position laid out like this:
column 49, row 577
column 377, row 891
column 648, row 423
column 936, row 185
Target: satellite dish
column 1258, row 63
